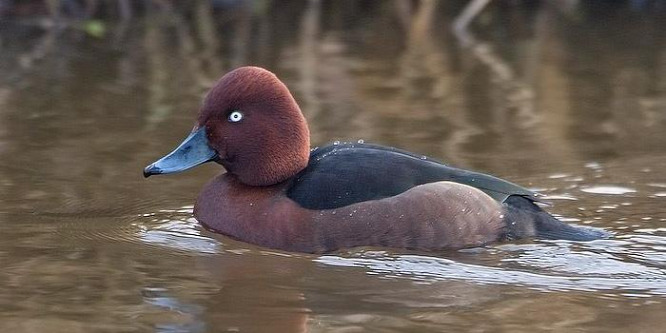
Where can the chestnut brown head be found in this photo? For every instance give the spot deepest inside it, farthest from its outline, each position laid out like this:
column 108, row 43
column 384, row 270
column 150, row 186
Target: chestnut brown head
column 250, row 123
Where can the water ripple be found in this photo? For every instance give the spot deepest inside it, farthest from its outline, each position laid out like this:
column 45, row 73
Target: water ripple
column 430, row 269
column 175, row 229
column 608, row 189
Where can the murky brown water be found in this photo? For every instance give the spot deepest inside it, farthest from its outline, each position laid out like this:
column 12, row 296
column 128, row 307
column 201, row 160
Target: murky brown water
column 569, row 100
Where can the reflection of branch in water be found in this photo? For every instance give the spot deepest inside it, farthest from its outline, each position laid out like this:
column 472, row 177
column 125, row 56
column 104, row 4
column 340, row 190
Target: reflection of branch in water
column 421, row 58
column 189, row 54
column 424, row 59
column 403, row 10
column 242, row 36
column 158, row 78
column 552, row 85
column 40, row 51
column 124, row 10
column 203, row 63
column 519, row 95
column 323, row 77
column 463, row 20
column 119, row 34
column 209, row 37
column 309, row 52
column 4, row 96
column 53, row 6
column 262, row 49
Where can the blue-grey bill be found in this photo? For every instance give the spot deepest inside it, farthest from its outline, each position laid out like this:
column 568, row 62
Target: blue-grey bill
column 192, row 152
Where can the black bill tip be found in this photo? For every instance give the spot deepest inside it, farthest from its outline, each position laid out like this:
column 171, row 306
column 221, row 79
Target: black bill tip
column 151, row 170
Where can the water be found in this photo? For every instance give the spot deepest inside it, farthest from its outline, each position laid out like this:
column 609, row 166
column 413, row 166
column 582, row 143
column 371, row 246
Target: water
column 570, row 101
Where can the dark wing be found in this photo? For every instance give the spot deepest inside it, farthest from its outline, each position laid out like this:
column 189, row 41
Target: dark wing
column 343, row 174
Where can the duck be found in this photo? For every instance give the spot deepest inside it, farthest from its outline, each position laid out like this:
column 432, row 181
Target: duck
column 279, row 193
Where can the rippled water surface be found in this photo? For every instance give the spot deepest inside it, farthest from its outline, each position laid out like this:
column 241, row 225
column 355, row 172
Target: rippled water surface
column 567, row 100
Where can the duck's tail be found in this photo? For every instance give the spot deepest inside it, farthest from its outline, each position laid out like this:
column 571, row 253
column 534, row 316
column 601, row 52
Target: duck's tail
column 526, row 219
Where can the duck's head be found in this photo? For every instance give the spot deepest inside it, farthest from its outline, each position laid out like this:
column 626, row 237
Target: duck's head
column 249, row 123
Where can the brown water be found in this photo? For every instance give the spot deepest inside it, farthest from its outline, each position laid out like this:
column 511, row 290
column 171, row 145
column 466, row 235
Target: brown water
column 569, row 100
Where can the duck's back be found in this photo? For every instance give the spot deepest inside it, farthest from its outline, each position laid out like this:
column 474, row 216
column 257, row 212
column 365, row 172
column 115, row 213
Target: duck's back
column 343, row 174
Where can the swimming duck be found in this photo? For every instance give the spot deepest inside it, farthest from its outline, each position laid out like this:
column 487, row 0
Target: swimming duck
column 279, row 193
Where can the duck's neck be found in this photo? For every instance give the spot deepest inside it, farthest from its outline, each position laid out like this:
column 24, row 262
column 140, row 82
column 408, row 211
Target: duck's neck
column 272, row 168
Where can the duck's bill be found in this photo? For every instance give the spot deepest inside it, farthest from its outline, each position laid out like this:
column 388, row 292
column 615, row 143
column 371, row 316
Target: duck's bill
column 192, row 152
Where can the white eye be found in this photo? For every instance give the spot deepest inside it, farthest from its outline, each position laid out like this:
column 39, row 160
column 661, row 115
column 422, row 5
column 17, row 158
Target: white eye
column 235, row 117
